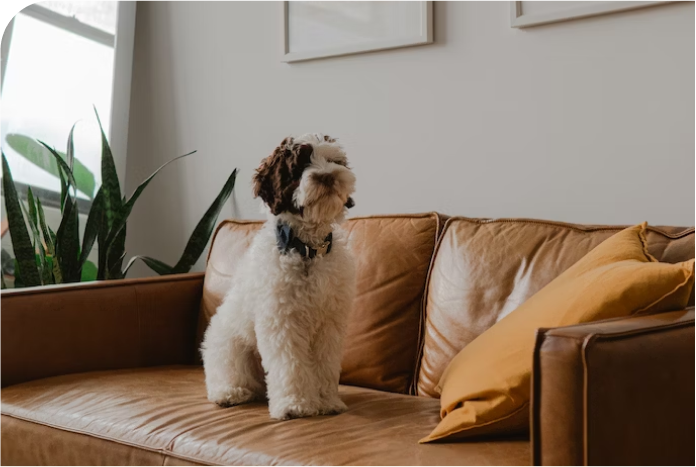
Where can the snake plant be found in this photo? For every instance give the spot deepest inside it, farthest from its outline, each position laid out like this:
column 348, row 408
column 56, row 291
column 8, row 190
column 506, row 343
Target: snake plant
column 43, row 256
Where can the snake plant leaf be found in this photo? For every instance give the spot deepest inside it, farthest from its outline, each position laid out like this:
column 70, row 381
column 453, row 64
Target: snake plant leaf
column 156, row 265
column 68, row 242
column 101, row 248
column 110, row 184
column 115, row 255
column 21, row 241
column 57, row 275
column 45, row 265
column 201, row 234
column 45, row 246
column 32, row 226
column 63, row 190
column 92, row 226
column 40, row 257
column 18, row 282
column 89, row 272
column 37, row 155
column 122, row 217
column 48, row 273
column 50, row 247
column 70, row 152
column 51, row 264
column 4, row 258
column 53, row 235
column 33, row 216
column 63, row 165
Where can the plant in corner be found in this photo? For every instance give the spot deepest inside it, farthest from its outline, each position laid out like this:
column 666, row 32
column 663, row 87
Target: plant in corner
column 43, row 256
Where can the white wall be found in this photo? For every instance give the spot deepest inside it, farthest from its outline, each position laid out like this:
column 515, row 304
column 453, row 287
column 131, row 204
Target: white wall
column 589, row 121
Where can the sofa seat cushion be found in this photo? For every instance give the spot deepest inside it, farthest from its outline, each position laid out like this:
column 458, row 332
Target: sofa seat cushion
column 161, row 416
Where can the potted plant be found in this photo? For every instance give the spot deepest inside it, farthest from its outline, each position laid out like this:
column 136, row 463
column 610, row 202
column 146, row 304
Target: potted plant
column 44, row 257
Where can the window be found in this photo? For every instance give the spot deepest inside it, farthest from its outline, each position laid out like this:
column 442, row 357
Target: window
column 61, row 61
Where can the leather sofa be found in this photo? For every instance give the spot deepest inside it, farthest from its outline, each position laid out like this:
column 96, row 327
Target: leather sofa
column 109, row 372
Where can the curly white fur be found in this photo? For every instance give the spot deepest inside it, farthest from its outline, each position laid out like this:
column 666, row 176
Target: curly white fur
column 279, row 330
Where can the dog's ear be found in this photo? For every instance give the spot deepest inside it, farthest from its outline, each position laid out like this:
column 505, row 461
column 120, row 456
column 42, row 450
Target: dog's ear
column 279, row 175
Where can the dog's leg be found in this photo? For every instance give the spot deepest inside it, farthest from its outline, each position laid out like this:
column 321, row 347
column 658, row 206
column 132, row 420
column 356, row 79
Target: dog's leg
column 232, row 373
column 286, row 358
column 328, row 346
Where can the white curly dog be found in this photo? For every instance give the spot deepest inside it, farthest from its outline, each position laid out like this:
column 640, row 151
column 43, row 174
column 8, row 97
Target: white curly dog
column 279, row 330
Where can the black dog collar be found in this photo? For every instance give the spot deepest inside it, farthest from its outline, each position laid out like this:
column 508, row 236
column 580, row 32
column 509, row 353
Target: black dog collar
column 287, row 241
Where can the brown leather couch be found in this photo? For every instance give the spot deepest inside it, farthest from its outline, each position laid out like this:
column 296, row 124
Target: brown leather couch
column 109, row 373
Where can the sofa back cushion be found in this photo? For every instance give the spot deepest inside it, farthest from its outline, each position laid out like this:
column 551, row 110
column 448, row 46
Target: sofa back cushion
column 393, row 255
column 484, row 269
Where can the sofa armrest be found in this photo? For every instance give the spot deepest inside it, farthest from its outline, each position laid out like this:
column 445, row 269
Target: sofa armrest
column 55, row 330
column 615, row 392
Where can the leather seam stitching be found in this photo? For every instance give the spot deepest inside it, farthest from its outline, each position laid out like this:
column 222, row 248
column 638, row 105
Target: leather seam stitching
column 621, row 334
column 482, row 221
column 676, row 235
column 642, row 331
column 535, row 399
column 424, row 301
column 585, row 406
column 425, row 307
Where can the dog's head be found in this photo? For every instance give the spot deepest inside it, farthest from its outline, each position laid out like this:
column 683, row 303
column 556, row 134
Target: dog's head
column 307, row 176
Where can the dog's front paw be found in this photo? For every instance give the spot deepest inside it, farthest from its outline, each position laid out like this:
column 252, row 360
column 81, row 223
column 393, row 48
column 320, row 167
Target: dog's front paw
column 332, row 406
column 293, row 409
column 232, row 396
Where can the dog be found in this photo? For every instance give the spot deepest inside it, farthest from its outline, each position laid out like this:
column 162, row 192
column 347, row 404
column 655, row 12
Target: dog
column 280, row 328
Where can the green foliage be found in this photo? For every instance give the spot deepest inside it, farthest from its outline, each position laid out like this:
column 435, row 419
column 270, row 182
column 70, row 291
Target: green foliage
column 45, row 257
column 198, row 240
column 37, row 155
column 8, row 267
column 21, row 241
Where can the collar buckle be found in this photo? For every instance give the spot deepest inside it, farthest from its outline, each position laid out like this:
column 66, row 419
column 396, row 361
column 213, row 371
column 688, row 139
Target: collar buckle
column 322, row 249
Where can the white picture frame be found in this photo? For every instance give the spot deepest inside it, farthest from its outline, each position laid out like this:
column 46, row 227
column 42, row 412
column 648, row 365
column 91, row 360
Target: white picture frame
column 421, row 37
column 520, row 20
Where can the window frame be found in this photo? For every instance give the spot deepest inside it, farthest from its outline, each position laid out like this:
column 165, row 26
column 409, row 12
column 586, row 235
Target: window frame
column 122, row 42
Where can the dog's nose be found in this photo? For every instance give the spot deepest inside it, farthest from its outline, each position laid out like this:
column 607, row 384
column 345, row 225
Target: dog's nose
column 350, row 203
column 326, row 179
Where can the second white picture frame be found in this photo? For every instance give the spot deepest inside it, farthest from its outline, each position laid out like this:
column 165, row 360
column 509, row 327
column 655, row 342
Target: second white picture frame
column 528, row 13
column 313, row 30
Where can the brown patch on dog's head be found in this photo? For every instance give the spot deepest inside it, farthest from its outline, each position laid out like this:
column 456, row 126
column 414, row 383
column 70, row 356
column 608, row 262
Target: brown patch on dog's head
column 325, row 179
column 329, row 139
column 279, row 175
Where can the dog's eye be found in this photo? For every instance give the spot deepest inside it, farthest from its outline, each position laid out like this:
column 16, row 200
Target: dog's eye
column 339, row 162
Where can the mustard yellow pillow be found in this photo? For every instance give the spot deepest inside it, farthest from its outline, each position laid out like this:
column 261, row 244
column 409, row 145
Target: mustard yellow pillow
column 485, row 388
